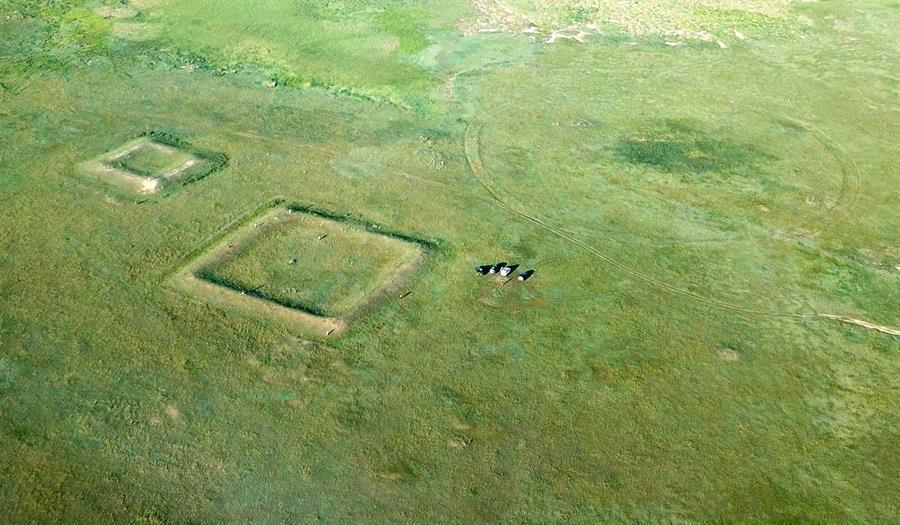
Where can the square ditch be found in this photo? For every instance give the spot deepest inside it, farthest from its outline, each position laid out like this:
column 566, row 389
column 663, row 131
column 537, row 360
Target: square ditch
column 151, row 164
column 307, row 268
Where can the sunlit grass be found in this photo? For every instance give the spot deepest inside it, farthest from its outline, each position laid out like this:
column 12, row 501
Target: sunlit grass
column 758, row 179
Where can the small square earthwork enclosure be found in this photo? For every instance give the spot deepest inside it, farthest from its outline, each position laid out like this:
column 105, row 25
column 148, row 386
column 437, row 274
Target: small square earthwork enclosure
column 150, row 164
column 302, row 267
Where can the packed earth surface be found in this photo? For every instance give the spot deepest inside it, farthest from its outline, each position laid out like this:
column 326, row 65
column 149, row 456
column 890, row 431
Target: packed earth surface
column 238, row 239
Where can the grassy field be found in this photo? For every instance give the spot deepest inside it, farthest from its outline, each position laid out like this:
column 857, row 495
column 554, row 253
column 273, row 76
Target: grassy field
column 150, row 164
column 309, row 262
column 694, row 212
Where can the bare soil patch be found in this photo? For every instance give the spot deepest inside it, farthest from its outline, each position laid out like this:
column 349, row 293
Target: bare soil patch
column 728, row 354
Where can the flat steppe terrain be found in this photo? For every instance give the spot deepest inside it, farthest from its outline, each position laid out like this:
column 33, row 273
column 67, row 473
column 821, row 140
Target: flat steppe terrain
column 707, row 190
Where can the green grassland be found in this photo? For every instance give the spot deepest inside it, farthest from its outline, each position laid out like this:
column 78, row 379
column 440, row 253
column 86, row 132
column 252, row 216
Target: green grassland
column 150, row 164
column 313, row 264
column 147, row 161
column 655, row 16
column 691, row 210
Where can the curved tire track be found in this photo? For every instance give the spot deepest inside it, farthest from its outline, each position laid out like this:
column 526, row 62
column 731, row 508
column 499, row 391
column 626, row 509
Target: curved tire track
column 476, row 166
column 494, row 201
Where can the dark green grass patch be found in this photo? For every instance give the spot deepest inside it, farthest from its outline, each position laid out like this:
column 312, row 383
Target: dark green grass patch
column 680, row 147
column 83, row 28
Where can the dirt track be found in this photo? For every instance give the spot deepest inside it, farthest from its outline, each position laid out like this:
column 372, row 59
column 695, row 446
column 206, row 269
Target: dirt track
column 494, row 201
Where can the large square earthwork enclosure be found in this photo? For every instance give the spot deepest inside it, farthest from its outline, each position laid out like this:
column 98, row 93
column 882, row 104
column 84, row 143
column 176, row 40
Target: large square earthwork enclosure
column 150, row 164
column 305, row 268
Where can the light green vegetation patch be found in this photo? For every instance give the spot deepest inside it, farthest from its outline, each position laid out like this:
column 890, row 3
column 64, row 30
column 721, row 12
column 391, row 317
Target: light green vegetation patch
column 361, row 48
column 82, row 28
column 317, row 270
column 692, row 18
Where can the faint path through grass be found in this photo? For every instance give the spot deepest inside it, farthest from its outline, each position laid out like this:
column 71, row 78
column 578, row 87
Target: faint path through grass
column 500, row 204
column 837, row 214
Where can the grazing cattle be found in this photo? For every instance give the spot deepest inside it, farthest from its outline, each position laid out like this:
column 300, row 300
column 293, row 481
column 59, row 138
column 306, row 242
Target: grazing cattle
column 508, row 269
column 483, row 270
